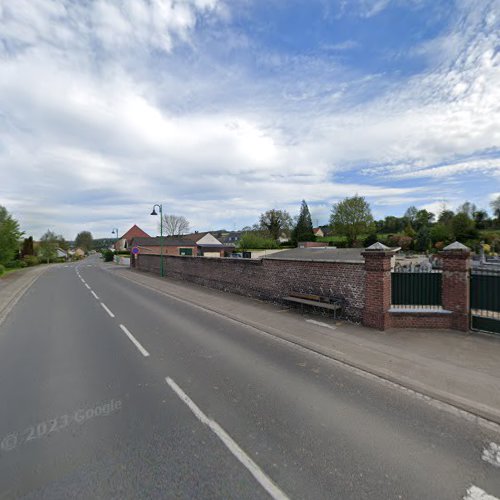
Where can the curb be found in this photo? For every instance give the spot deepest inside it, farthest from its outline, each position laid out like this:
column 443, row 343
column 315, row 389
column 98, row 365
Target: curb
column 472, row 411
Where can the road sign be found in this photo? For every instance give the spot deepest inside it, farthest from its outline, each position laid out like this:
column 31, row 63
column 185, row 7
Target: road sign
column 135, row 250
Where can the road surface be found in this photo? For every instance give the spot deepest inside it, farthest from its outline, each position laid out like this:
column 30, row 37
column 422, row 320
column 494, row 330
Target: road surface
column 112, row 390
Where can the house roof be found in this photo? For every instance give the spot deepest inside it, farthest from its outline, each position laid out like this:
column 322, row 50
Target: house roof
column 167, row 242
column 215, row 245
column 134, row 232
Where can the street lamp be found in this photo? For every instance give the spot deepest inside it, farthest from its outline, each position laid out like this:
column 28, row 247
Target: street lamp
column 160, row 208
column 115, row 231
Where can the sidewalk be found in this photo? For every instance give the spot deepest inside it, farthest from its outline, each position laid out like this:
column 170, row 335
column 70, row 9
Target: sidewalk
column 461, row 369
column 13, row 286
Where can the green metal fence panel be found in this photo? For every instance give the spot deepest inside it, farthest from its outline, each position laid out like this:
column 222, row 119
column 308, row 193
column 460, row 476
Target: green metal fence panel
column 417, row 288
column 485, row 291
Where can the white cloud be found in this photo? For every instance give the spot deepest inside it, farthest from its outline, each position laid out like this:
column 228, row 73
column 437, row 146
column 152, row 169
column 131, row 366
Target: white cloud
column 101, row 116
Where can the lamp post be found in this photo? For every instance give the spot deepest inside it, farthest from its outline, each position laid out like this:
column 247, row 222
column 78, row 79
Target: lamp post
column 160, row 208
column 115, row 231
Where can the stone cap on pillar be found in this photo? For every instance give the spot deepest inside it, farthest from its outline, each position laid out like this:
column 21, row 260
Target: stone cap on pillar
column 379, row 249
column 456, row 246
column 377, row 246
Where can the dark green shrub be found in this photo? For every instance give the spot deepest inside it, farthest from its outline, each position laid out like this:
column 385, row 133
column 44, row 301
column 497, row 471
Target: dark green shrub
column 2, row 269
column 108, row 255
column 13, row 264
column 31, row 260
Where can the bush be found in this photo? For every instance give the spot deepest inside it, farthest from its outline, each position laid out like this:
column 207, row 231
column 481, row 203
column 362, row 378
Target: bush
column 31, row 260
column 255, row 241
column 13, row 264
column 370, row 240
column 2, row 269
column 108, row 255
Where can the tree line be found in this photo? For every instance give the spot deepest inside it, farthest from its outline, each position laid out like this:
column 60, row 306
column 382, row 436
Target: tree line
column 18, row 252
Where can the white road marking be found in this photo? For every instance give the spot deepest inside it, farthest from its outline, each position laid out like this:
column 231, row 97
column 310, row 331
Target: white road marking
column 135, row 341
column 319, row 323
column 475, row 493
column 87, row 286
column 491, row 454
column 107, row 310
column 94, row 294
column 231, row 445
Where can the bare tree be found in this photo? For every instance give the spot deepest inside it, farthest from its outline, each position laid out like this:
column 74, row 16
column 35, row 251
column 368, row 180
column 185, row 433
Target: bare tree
column 175, row 225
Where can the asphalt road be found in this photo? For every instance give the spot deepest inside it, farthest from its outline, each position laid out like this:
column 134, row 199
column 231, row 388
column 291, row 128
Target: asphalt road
column 112, row 390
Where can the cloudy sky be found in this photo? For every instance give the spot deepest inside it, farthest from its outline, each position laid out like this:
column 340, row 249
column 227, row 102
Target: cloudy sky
column 221, row 109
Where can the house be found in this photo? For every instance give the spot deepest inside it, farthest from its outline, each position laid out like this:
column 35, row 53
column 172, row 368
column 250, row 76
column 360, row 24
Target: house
column 207, row 245
column 124, row 242
column 195, row 244
column 231, row 237
column 318, row 232
column 61, row 253
column 171, row 245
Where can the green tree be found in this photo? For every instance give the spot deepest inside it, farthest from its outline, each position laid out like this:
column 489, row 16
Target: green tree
column 440, row 232
column 275, row 222
column 27, row 248
column 480, row 218
column 411, row 215
column 351, row 217
column 423, row 240
column 446, row 217
column 495, row 206
column 464, row 228
column 84, row 240
column 10, row 234
column 423, row 218
column 48, row 246
column 303, row 230
column 467, row 208
column 410, row 232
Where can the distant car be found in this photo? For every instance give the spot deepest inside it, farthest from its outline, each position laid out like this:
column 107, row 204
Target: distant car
column 236, row 256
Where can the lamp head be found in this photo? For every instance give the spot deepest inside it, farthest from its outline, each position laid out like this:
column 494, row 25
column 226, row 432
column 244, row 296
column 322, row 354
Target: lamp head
column 154, row 212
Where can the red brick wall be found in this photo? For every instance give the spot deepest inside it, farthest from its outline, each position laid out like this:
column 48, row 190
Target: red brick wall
column 417, row 319
column 268, row 279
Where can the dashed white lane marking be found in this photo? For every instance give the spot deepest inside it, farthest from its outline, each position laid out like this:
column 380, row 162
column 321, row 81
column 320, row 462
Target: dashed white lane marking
column 475, row 493
column 94, row 294
column 231, row 445
column 107, row 309
column 135, row 341
column 87, row 286
column 319, row 323
column 491, row 454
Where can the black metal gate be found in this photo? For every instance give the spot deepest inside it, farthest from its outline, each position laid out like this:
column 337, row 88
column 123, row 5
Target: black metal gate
column 485, row 300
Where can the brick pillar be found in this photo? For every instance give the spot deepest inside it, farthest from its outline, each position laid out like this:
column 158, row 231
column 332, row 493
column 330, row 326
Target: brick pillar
column 456, row 286
column 377, row 288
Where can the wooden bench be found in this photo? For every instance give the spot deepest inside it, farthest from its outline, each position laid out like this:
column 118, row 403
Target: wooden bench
column 308, row 299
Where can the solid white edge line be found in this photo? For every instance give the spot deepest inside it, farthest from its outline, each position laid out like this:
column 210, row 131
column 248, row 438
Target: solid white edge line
column 231, row 445
column 87, row 286
column 94, row 294
column 475, row 493
column 107, row 309
column 135, row 341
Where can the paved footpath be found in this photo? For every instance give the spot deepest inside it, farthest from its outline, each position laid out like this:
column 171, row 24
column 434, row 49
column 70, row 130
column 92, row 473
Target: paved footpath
column 111, row 389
